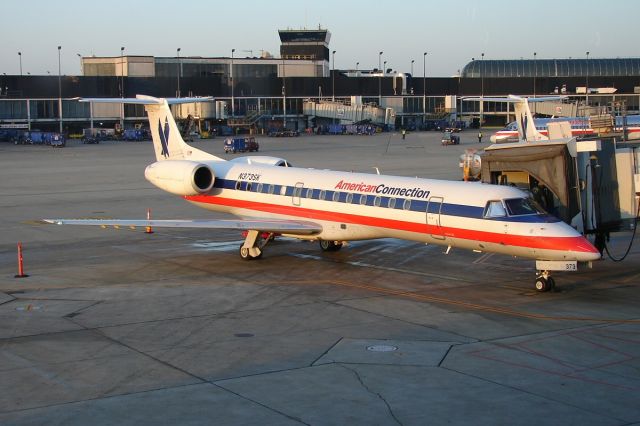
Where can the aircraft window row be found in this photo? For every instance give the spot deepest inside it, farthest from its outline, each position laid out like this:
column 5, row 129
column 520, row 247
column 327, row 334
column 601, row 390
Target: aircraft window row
column 335, row 196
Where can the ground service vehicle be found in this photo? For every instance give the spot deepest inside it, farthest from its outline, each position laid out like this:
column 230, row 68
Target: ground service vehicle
column 233, row 145
column 449, row 138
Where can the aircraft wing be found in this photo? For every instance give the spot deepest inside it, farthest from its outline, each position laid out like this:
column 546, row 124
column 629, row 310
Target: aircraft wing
column 297, row 227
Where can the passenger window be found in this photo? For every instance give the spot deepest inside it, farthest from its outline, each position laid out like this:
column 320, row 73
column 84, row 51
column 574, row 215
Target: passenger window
column 495, row 209
column 238, row 185
column 322, row 195
column 376, row 201
column 349, row 198
column 392, row 203
column 363, row 199
column 259, row 188
column 406, row 205
column 269, row 189
column 248, row 187
column 283, row 190
column 336, row 196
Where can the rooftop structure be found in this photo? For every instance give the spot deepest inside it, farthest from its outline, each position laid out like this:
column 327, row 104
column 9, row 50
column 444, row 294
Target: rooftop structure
column 305, row 44
column 596, row 67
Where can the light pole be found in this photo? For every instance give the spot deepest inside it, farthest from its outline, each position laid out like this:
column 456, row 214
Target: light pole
column 20, row 57
column 233, row 101
column 412, row 61
column 357, row 64
column 80, row 59
column 424, row 86
column 122, row 87
column 535, row 73
column 122, row 72
column 384, row 68
column 587, row 88
column 284, row 95
column 179, row 70
column 481, row 87
column 333, row 76
column 59, row 89
column 380, row 79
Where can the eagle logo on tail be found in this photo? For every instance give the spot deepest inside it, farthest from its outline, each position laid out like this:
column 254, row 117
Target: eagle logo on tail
column 164, row 137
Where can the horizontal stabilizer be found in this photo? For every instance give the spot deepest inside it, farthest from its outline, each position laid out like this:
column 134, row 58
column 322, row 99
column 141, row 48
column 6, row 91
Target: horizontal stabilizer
column 277, row 226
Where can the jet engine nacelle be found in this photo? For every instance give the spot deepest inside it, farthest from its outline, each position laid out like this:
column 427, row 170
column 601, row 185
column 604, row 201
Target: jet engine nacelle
column 180, row 177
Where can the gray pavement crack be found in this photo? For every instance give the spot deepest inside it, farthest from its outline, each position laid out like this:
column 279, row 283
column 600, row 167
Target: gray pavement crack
column 369, row 390
column 260, row 404
column 325, row 352
column 9, row 301
column 468, row 339
column 532, row 393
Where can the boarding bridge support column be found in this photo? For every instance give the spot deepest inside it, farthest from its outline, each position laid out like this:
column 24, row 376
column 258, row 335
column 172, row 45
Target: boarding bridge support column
column 29, row 114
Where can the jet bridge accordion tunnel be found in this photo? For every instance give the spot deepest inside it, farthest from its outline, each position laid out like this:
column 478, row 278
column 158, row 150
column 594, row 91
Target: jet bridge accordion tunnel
column 580, row 189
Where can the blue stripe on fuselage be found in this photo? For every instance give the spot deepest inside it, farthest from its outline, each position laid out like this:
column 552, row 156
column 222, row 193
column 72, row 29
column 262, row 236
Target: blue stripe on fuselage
column 447, row 209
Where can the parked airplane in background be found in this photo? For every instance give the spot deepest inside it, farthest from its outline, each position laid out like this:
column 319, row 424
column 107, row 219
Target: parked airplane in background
column 579, row 127
column 269, row 196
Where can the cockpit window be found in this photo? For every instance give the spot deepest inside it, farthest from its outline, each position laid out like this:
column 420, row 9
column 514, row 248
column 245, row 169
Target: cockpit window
column 495, row 209
column 522, row 206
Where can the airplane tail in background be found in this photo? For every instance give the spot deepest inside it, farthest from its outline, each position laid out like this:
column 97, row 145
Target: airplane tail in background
column 524, row 119
column 167, row 141
column 526, row 127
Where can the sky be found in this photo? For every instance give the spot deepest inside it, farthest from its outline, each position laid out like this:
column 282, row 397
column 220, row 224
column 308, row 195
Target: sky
column 450, row 32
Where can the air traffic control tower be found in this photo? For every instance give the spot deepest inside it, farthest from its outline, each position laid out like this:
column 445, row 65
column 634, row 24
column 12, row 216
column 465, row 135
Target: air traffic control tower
column 305, row 52
column 305, row 44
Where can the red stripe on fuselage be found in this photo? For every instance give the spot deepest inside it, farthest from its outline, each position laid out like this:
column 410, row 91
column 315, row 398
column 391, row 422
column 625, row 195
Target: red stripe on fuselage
column 576, row 243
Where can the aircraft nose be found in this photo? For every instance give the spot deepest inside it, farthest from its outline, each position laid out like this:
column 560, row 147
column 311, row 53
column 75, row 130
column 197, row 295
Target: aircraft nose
column 587, row 252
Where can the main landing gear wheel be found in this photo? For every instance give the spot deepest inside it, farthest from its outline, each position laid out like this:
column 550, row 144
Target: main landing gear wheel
column 544, row 282
column 253, row 245
column 245, row 253
column 327, row 245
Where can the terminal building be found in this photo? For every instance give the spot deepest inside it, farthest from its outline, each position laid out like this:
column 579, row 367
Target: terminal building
column 299, row 88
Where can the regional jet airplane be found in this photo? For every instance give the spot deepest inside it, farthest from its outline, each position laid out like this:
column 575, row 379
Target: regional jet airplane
column 270, row 197
column 580, row 126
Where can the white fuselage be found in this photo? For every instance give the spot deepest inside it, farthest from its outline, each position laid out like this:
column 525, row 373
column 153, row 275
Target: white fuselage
column 357, row 206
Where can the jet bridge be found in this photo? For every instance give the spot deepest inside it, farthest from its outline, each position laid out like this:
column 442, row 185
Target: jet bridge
column 346, row 113
column 592, row 184
column 589, row 184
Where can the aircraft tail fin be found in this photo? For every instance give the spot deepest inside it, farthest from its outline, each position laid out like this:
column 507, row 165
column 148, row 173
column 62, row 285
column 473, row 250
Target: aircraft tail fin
column 524, row 119
column 167, row 141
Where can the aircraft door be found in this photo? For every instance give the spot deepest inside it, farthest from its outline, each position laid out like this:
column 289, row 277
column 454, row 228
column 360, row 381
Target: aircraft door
column 297, row 193
column 434, row 208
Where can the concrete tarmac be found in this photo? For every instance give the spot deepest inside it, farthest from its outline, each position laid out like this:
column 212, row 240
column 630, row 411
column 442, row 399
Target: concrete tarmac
column 115, row 326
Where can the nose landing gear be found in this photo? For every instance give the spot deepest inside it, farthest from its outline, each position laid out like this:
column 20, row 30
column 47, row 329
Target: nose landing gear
column 544, row 282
